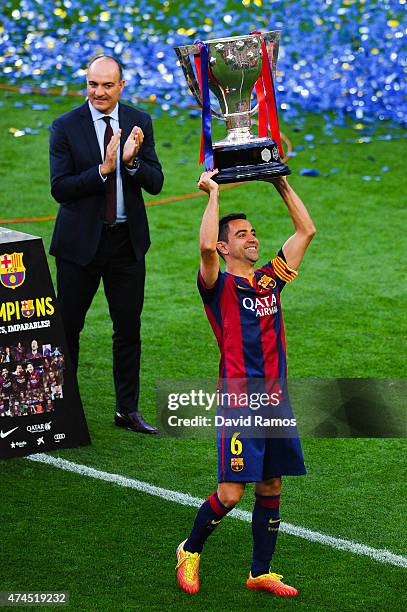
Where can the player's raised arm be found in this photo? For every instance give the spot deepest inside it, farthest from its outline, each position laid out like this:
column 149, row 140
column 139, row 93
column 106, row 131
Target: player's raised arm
column 296, row 245
column 208, row 235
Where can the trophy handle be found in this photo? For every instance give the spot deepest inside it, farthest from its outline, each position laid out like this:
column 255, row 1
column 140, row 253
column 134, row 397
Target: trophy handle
column 183, row 54
column 272, row 40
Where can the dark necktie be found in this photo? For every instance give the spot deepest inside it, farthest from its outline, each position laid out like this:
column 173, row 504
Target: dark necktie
column 110, row 211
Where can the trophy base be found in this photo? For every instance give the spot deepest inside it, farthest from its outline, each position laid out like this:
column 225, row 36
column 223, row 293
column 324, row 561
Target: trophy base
column 252, row 161
column 240, row 174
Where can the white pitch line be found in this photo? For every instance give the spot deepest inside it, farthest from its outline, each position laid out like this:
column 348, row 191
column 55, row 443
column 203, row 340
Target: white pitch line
column 381, row 555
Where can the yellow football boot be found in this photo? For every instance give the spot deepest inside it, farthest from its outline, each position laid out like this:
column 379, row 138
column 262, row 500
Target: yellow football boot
column 188, row 569
column 271, row 583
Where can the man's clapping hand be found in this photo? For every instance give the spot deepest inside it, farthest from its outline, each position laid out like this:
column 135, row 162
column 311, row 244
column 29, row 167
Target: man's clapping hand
column 109, row 164
column 132, row 145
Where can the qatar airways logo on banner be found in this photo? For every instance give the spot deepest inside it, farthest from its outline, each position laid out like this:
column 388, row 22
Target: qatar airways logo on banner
column 262, row 306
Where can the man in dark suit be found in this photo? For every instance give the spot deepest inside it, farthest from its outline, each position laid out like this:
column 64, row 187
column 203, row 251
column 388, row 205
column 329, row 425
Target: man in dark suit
column 101, row 156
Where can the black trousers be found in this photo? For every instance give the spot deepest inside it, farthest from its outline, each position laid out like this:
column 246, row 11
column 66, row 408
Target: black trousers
column 123, row 279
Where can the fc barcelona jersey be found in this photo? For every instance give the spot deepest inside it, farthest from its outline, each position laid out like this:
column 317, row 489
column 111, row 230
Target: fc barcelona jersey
column 247, row 320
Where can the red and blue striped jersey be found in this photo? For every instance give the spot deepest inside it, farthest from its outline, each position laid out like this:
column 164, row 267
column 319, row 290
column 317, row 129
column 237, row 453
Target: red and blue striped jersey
column 247, row 320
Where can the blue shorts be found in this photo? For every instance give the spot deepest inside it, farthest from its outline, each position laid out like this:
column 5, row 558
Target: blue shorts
column 252, row 458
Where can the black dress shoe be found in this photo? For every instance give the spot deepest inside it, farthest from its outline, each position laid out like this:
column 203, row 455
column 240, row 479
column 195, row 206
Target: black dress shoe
column 135, row 422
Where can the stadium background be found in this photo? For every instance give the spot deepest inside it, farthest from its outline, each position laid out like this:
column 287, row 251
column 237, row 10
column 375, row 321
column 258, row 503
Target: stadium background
column 340, row 89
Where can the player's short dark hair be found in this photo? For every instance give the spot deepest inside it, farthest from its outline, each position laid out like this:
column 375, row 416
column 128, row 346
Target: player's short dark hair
column 223, row 232
column 116, row 61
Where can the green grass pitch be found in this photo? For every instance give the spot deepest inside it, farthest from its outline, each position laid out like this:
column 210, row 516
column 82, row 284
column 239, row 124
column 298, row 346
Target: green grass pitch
column 114, row 548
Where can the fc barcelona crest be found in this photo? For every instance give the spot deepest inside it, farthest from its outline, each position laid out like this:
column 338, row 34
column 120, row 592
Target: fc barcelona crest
column 12, row 270
column 237, row 464
column 27, row 308
column 266, row 282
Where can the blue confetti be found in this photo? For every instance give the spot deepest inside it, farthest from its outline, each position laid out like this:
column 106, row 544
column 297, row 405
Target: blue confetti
column 39, row 107
column 367, row 178
column 345, row 57
column 309, row 172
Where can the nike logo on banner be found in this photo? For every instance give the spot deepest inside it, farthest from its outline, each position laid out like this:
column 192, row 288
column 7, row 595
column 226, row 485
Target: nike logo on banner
column 7, row 433
column 215, row 522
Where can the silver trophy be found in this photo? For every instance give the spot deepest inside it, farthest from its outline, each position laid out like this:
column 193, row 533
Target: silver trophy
column 234, row 66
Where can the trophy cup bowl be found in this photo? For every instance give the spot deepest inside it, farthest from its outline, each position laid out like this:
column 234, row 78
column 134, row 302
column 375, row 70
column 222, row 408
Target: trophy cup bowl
column 234, row 66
